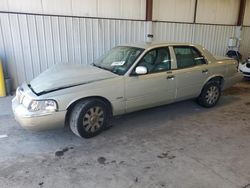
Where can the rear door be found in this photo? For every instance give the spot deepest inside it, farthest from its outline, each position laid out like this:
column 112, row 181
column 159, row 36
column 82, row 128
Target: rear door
column 191, row 73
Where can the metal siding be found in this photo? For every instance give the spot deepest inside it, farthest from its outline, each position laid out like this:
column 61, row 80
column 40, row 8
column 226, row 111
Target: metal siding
column 32, row 43
column 76, row 40
column 246, row 21
column 83, row 38
column 32, row 6
column 27, row 53
column 96, row 45
column 4, row 5
column 124, row 9
column 2, row 52
column 9, row 61
column 89, row 41
column 213, row 37
column 245, row 42
column 17, row 47
column 63, row 39
column 63, row 7
column 174, row 10
column 110, row 8
column 56, row 39
column 70, row 41
column 41, row 40
column 217, row 11
column 176, row 32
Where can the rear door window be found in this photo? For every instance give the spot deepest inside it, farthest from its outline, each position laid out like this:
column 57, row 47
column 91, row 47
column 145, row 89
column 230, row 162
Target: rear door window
column 188, row 56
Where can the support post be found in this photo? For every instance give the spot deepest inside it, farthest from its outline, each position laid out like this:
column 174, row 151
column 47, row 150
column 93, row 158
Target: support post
column 149, row 10
column 149, row 17
column 241, row 12
column 195, row 10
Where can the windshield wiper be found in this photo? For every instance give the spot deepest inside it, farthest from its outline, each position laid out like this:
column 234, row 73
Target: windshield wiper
column 100, row 67
column 96, row 65
column 104, row 68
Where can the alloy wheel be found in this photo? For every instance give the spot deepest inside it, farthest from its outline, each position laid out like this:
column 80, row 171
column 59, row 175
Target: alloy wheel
column 212, row 95
column 93, row 119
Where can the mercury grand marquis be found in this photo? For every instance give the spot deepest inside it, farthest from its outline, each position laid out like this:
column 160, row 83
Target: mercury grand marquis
column 126, row 79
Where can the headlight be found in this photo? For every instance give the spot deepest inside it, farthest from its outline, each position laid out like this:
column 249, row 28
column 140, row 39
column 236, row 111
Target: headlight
column 43, row 106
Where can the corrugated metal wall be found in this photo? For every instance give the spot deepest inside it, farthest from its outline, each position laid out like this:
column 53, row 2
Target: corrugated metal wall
column 29, row 44
column 208, row 11
column 213, row 37
column 245, row 42
column 218, row 11
column 247, row 14
column 125, row 9
column 174, row 10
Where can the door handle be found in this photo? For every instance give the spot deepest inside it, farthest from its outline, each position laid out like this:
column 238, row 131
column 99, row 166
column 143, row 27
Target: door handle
column 204, row 71
column 171, row 77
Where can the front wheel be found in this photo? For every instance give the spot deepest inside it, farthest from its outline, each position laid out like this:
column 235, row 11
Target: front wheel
column 210, row 95
column 88, row 118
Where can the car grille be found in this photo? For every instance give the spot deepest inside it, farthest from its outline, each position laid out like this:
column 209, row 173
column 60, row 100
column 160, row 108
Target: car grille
column 248, row 65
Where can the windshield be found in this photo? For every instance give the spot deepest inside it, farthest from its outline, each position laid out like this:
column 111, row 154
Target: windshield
column 119, row 59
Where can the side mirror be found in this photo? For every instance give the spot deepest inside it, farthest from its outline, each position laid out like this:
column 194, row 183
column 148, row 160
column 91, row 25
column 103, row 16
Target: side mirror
column 140, row 70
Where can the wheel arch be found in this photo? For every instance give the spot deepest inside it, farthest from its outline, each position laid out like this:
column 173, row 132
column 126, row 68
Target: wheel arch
column 216, row 78
column 72, row 105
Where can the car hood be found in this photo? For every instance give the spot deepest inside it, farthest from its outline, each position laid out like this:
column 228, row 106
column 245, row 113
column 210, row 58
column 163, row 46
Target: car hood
column 68, row 75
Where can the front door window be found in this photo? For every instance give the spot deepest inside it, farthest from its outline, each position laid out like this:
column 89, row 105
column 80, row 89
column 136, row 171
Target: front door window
column 156, row 60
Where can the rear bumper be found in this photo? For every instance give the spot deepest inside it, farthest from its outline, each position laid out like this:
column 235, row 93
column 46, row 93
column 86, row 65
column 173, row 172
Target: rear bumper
column 37, row 122
column 233, row 80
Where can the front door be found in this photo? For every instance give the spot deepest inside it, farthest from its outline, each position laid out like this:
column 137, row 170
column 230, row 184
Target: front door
column 155, row 88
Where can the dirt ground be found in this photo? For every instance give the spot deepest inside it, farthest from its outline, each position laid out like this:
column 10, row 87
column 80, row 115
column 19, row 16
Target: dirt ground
column 180, row 145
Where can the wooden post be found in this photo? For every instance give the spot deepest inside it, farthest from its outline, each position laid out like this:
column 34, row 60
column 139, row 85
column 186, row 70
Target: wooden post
column 149, row 10
column 241, row 12
column 195, row 11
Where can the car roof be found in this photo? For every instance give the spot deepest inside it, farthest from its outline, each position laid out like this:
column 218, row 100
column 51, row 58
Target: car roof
column 147, row 45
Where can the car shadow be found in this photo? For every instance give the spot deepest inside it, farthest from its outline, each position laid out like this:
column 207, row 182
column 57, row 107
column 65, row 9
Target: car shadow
column 181, row 109
column 169, row 112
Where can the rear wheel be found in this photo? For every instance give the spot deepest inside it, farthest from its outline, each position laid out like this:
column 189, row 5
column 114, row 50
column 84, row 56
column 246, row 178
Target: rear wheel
column 210, row 95
column 88, row 118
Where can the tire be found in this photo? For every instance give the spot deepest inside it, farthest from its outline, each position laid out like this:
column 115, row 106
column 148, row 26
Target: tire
column 210, row 95
column 88, row 118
